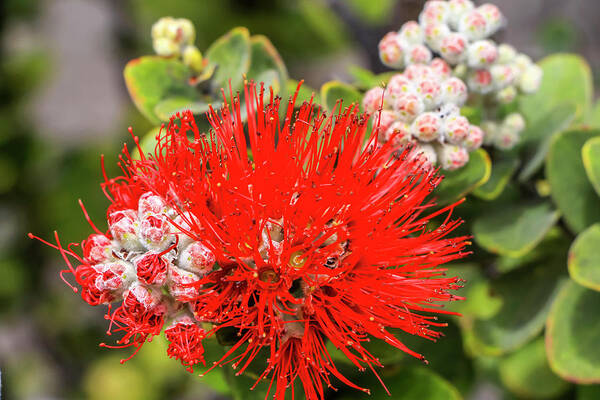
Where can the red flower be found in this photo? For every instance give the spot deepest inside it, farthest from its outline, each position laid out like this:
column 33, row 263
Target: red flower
column 319, row 235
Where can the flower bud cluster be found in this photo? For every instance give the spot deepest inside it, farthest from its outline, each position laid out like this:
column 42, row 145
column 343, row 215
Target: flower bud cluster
column 505, row 134
column 152, row 267
column 460, row 33
column 421, row 107
column 174, row 37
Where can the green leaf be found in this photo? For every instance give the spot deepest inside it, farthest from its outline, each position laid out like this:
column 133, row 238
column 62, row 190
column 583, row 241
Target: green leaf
column 588, row 392
column 570, row 188
column 166, row 108
column 584, row 258
column 502, row 170
column 459, row 183
column 333, row 91
column 567, row 77
column 265, row 58
column 232, row 55
column 593, row 118
column 527, row 374
column 304, row 94
column 590, row 153
column 152, row 79
column 572, row 333
column 480, row 302
column 527, row 295
column 537, row 138
column 514, row 230
column 415, row 383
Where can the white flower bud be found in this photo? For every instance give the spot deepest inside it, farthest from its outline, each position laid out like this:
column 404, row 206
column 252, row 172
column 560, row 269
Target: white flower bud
column 398, row 85
column 490, row 130
column 453, row 47
column 434, row 34
column 456, row 129
column 427, row 154
column 506, row 53
column 427, row 127
column 411, row 34
column 452, row 157
column 480, row 81
column 390, row 50
column 454, row 91
column 493, row 17
column 474, row 139
column 514, row 122
column 197, row 258
column 430, row 91
column 506, row 138
column 434, row 12
column 399, row 133
column 456, row 9
column 417, row 54
column 165, row 47
column 192, row 57
column 408, row 106
column 473, row 25
column 531, row 79
column 481, row 54
column 507, row 95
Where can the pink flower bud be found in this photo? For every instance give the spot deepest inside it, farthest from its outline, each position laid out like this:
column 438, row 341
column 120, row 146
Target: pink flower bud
column 493, row 17
column 456, row 129
column 453, row 47
column 434, row 12
column 482, row 54
column 408, row 106
column 480, row 81
column 430, row 91
column 373, row 99
column 197, row 258
column 427, row 127
column 418, row 72
column 454, row 91
column 452, row 157
column 390, row 50
column 418, row 54
column 503, row 75
column 474, row 139
column 490, row 130
column 97, row 249
column 150, row 203
column 473, row 25
column 441, row 68
column 398, row 85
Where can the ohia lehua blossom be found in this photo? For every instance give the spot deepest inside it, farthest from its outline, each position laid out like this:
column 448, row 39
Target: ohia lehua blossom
column 316, row 235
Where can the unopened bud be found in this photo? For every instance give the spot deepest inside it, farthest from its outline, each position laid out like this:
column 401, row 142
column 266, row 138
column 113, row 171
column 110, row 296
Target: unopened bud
column 452, row 157
column 373, row 100
column 411, row 33
column 480, row 81
column 474, row 139
column 481, row 54
column 473, row 25
column 417, row 54
column 531, row 79
column 456, row 129
column 427, row 127
column 434, row 12
column 506, row 54
column 456, row 9
column 408, row 106
column 453, row 47
column 507, row 95
column 454, row 91
column 514, row 122
column 506, row 138
column 390, row 50
column 399, row 133
column 434, row 34
column 192, row 57
column 197, row 258
column 493, row 17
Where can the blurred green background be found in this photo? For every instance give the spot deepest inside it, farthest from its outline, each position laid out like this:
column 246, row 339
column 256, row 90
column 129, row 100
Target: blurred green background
column 63, row 103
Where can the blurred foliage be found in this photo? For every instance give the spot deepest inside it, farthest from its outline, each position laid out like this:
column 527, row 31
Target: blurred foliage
column 530, row 324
